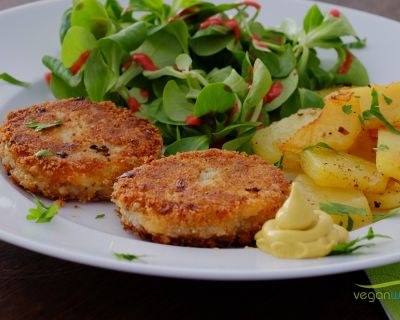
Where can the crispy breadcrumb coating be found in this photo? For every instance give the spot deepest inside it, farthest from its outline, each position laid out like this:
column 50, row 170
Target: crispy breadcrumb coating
column 93, row 145
column 210, row 198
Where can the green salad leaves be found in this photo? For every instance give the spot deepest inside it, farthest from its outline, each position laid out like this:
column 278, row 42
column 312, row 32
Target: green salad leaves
column 206, row 75
column 11, row 80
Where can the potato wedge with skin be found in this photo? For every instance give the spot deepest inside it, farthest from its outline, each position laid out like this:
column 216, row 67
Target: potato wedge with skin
column 315, row 195
column 365, row 144
column 388, row 154
column 338, row 125
column 267, row 142
column 332, row 169
column 389, row 199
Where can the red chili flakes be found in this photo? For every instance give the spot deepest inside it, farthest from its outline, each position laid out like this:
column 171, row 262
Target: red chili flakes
column 133, row 104
column 274, row 92
column 48, row 76
column 77, row 66
column 144, row 61
column 345, row 67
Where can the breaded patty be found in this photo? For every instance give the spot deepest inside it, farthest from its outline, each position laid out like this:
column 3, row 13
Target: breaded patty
column 210, row 198
column 80, row 157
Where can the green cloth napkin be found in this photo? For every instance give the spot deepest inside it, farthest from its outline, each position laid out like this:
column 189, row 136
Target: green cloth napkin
column 386, row 281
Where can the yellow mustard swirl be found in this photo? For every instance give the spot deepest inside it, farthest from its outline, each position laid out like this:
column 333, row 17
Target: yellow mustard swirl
column 298, row 231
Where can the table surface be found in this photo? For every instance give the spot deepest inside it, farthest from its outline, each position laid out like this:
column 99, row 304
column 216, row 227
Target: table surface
column 33, row 286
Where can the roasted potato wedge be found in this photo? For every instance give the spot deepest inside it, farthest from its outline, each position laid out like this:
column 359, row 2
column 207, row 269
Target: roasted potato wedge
column 389, row 102
column 388, row 154
column 333, row 169
column 389, row 199
column 267, row 141
column 338, row 125
column 316, row 195
column 365, row 144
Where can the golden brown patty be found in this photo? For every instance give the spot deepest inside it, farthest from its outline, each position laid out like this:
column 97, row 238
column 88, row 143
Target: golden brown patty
column 93, row 145
column 208, row 198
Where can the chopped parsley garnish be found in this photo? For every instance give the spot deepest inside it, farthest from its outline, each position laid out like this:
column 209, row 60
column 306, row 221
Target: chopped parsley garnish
column 347, row 109
column 41, row 126
column 42, row 213
column 100, row 216
column 126, row 256
column 44, row 153
column 375, row 111
column 381, row 147
column 353, row 245
column 279, row 163
column 334, row 208
column 11, row 80
column 341, row 209
column 320, row 145
column 387, row 99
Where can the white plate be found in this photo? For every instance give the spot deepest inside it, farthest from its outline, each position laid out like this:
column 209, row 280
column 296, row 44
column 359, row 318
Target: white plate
column 31, row 31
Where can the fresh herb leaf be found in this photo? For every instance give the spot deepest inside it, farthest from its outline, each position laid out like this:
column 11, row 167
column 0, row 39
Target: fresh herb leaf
column 387, row 99
column 42, row 213
column 41, row 126
column 279, row 163
column 44, row 153
column 350, row 223
column 347, row 109
column 358, row 44
column 381, row 147
column 367, row 115
column 341, row 209
column 100, row 216
column 392, row 213
column 353, row 245
column 320, row 145
column 11, row 80
column 126, row 256
column 376, row 112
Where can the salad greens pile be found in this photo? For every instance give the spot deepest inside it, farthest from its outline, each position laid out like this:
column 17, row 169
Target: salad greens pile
column 206, row 75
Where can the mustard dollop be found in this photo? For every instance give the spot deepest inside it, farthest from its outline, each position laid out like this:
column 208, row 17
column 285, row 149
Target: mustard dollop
column 298, row 231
